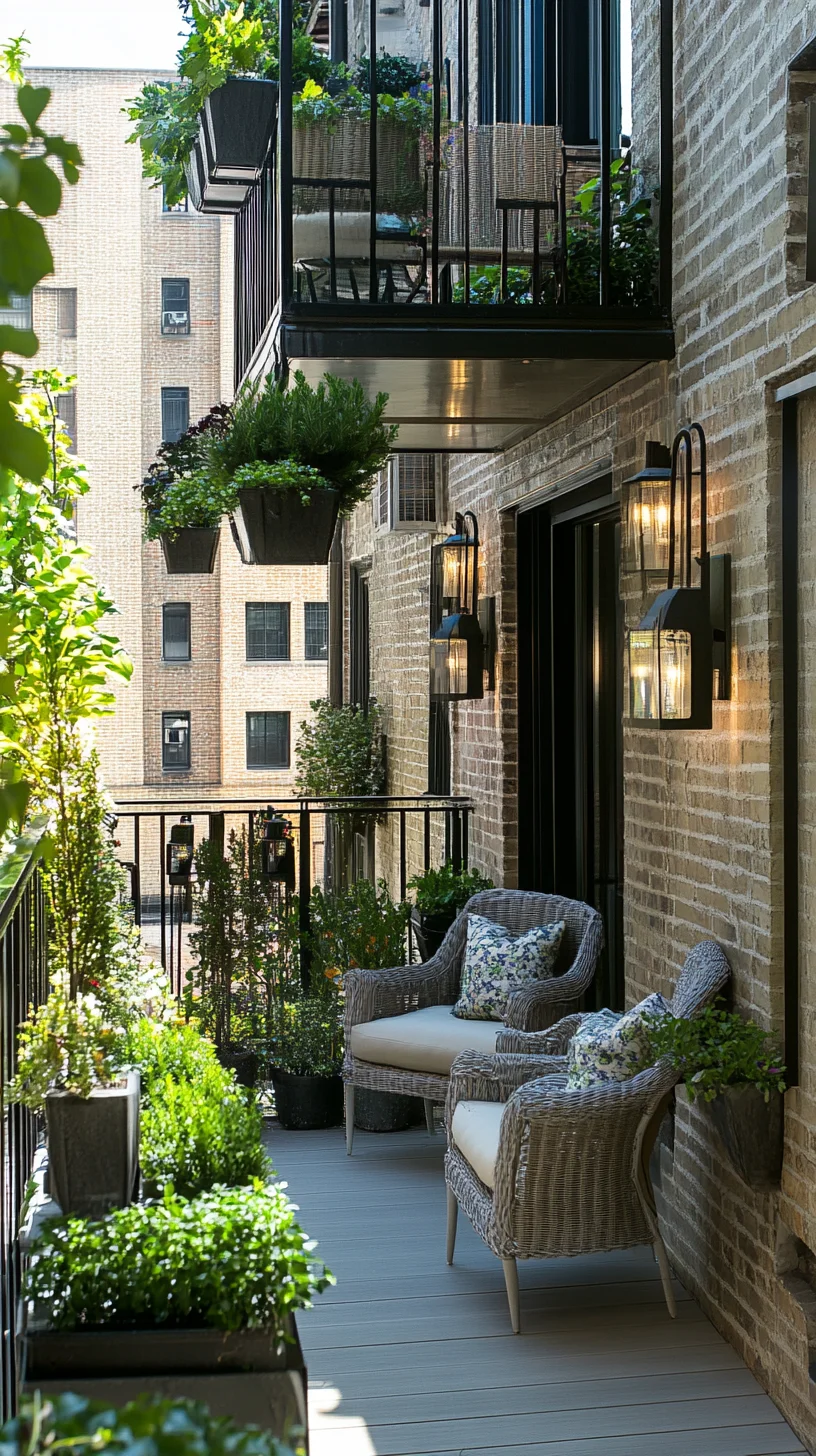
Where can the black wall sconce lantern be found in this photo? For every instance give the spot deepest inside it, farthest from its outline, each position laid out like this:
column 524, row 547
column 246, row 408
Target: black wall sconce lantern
column 457, row 657
column 647, row 514
column 679, row 653
column 179, row 852
column 277, row 848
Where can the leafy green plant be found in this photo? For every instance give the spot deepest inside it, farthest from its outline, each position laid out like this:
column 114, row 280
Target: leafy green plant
column 232, row 935
column 68, row 1042
column 333, row 428
column 716, row 1049
column 194, row 501
column 396, row 74
column 308, row 1036
column 234, row 1258
column 68, row 1423
column 178, row 490
column 195, row 1135
column 339, row 752
column 485, row 286
column 443, row 891
column 174, row 1050
column 283, row 475
column 357, row 927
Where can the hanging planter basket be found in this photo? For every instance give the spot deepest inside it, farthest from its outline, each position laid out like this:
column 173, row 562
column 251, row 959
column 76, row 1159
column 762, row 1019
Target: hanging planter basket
column 234, row 133
column 752, row 1132
column 191, row 552
column 273, row 527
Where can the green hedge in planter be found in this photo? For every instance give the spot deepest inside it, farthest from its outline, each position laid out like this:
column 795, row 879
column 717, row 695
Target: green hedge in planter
column 198, row 1134
column 144, row 1427
column 234, row 1258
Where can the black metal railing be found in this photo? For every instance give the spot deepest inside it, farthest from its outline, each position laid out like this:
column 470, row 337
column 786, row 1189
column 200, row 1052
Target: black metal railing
column 492, row 192
column 256, row 284
column 414, row 828
column 23, row 967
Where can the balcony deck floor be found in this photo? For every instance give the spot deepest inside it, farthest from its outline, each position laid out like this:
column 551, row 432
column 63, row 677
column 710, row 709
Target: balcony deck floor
column 408, row 1356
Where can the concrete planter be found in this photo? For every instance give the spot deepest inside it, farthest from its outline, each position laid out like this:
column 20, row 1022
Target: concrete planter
column 274, row 528
column 93, row 1147
column 243, row 1374
column 191, row 552
column 751, row 1131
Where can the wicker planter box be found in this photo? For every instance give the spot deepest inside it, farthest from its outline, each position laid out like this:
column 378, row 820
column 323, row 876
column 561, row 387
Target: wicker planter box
column 241, row 1374
column 191, row 552
column 274, row 528
column 93, row 1147
column 318, row 152
column 751, row 1131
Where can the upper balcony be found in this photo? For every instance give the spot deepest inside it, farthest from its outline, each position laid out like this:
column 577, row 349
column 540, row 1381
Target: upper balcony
column 482, row 227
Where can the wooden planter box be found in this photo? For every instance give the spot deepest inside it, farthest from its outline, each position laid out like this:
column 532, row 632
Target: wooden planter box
column 234, row 133
column 93, row 1147
column 191, row 552
column 274, row 528
column 241, row 1374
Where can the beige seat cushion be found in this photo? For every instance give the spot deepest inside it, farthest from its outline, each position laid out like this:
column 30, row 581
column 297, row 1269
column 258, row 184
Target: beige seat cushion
column 422, row 1041
column 475, row 1130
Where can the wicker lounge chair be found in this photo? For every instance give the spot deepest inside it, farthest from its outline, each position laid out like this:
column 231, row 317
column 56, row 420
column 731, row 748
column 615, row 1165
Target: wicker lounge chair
column 542, row 1172
column 400, row 1034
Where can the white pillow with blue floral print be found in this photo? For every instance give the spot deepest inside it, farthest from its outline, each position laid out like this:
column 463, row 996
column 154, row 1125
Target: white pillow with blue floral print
column 604, row 1052
column 497, row 963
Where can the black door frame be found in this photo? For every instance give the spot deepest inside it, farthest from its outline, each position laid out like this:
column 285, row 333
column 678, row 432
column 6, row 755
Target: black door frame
column 555, row 814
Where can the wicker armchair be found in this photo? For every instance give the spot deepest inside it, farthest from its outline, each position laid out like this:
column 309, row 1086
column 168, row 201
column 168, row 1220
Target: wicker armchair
column 384, row 995
column 543, row 1172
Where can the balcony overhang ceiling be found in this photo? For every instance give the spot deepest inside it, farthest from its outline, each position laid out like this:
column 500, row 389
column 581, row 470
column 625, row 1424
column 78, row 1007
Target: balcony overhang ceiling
column 472, row 389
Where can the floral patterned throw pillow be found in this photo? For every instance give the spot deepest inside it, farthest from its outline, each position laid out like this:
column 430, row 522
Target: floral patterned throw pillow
column 603, row 1052
column 497, row 963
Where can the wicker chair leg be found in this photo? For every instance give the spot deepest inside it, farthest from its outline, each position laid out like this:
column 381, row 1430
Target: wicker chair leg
column 429, row 1115
column 348, row 1100
column 665, row 1275
column 453, row 1210
column 511, row 1281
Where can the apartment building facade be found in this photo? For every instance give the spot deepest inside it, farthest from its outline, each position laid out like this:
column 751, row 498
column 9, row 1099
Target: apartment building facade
column 140, row 309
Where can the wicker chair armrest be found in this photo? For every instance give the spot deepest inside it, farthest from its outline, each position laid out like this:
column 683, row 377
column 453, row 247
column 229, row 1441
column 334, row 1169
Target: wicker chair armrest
column 371, row 995
column 553, row 1042
column 485, row 1077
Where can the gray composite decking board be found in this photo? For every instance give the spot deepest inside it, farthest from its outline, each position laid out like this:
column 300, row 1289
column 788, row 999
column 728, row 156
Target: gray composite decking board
column 408, row 1357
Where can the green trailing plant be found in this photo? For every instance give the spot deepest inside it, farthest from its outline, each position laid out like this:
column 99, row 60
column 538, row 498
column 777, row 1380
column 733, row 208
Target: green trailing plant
column 357, row 927
column 334, row 428
column 197, row 1134
column 339, row 752
column 308, row 1036
column 178, row 490
column 224, row 40
column 443, row 891
column 231, row 1259
column 717, row 1049
column 56, row 1425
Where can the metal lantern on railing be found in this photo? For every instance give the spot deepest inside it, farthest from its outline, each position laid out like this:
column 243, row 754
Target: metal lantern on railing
column 672, row 650
column 277, row 849
column 647, row 514
column 179, row 852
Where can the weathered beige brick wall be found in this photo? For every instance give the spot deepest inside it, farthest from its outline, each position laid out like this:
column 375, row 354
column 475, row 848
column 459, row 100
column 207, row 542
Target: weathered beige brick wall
column 702, row 810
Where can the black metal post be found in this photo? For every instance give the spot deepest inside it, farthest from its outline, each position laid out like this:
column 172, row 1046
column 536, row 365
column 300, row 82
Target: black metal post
column 436, row 64
column 465, row 837
column 373, row 277
column 456, row 847
column 403, row 852
column 427, row 838
column 666, row 152
column 137, row 871
column 163, row 894
column 790, row 731
column 285, row 210
column 305, row 892
column 606, row 151
column 464, row 111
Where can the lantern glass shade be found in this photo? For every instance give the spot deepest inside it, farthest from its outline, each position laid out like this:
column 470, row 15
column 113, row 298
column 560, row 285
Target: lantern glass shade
column 643, row 673
column 456, row 659
column 647, row 518
column 670, row 678
column 454, row 555
column 181, row 859
column 675, row 674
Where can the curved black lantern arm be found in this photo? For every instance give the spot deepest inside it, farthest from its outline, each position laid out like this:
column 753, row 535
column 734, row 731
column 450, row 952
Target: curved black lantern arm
column 685, row 438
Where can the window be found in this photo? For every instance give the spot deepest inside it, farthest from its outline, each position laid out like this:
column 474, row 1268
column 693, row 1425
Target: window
column 66, row 408
column 175, row 303
column 267, row 740
column 176, row 632
column 67, row 312
column 267, row 631
column 175, row 408
column 175, row 740
column 18, row 313
column 174, row 207
column 406, row 497
column 316, row 630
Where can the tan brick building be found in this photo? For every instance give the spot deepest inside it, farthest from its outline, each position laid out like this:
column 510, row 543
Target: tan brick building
column 140, row 309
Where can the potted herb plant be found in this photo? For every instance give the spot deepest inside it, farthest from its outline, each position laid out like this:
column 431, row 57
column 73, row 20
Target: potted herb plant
column 307, row 1055
column 732, row 1066
column 166, row 1427
column 198, row 1295
column 296, row 459
column 440, row 895
column 183, row 504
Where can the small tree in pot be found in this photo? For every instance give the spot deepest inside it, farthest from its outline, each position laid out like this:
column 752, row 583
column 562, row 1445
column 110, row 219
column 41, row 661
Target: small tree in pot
column 307, row 1055
column 440, row 896
column 733, row 1067
column 340, row 754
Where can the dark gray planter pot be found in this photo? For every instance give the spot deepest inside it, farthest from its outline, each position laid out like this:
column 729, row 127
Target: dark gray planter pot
column 93, row 1147
column 752, row 1132
column 305, row 1103
column 242, row 1374
column 236, row 127
column 191, row 552
column 241, row 1060
column 385, row 1111
column 430, row 930
column 274, row 527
